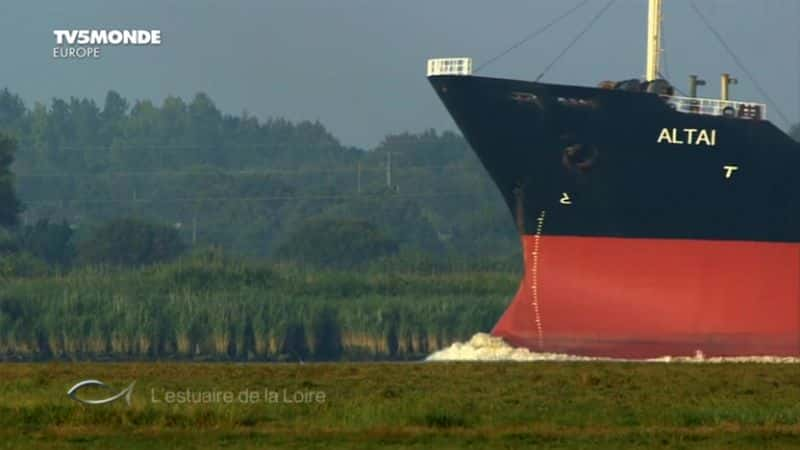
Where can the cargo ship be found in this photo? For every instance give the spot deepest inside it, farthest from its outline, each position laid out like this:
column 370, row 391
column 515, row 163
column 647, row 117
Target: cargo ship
column 651, row 224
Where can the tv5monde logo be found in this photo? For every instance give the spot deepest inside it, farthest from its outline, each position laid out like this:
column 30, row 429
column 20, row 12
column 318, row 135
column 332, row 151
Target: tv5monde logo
column 87, row 44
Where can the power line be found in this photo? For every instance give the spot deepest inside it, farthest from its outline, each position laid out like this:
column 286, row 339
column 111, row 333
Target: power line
column 224, row 147
column 739, row 63
column 532, row 35
column 577, row 38
column 357, row 168
column 221, row 147
column 257, row 198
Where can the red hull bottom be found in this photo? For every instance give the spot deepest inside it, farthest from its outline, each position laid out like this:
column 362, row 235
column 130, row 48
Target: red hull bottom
column 644, row 298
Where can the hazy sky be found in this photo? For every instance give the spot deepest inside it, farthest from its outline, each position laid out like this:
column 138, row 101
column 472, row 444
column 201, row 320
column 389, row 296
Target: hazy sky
column 358, row 66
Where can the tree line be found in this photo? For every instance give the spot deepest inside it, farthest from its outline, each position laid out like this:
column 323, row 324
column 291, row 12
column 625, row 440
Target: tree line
column 254, row 187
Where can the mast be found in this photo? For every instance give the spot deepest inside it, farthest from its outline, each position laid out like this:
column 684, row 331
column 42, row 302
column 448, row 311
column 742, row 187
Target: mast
column 654, row 41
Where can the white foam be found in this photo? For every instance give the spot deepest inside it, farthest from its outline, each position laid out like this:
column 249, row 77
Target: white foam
column 485, row 347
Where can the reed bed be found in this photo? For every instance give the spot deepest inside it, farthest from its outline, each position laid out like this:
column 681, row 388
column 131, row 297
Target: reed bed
column 222, row 309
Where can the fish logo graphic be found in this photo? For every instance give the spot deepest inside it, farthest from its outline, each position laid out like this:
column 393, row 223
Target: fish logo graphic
column 126, row 393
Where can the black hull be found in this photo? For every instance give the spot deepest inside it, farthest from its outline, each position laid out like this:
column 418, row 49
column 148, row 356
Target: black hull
column 623, row 182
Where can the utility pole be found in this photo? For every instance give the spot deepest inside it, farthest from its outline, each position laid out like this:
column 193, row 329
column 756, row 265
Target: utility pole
column 389, row 170
column 358, row 178
column 194, row 229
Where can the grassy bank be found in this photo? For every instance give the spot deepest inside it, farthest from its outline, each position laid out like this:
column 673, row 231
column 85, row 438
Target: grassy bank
column 581, row 405
column 221, row 309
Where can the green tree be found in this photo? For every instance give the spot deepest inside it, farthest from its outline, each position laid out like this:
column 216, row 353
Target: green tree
column 10, row 206
column 131, row 242
column 339, row 243
column 85, row 117
column 115, row 109
column 427, row 148
column 8, row 242
column 205, row 127
column 50, row 242
column 173, row 123
column 40, row 139
column 12, row 111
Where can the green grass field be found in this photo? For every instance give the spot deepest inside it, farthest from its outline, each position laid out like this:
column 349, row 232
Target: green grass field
column 406, row 405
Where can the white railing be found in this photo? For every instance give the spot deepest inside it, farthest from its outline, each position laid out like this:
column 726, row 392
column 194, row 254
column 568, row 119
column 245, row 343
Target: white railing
column 714, row 107
column 449, row 66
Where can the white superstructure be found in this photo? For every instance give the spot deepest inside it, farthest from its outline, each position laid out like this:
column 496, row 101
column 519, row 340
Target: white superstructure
column 449, row 66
